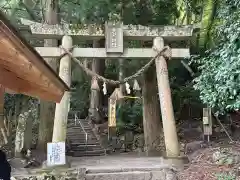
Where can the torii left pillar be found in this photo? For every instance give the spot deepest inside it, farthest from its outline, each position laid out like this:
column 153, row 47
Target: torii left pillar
column 62, row 108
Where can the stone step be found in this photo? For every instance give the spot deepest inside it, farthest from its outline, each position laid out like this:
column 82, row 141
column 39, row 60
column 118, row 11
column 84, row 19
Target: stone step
column 83, row 144
column 91, row 142
column 87, row 148
column 78, row 129
column 87, row 153
column 83, row 121
column 78, row 126
column 83, row 141
column 73, row 126
column 131, row 175
column 82, row 138
column 77, row 143
column 82, row 135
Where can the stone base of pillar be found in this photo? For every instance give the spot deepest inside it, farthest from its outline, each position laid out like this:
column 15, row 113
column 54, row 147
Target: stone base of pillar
column 178, row 162
column 67, row 165
column 153, row 153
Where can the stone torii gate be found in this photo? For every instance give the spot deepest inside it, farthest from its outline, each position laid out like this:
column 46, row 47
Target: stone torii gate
column 115, row 33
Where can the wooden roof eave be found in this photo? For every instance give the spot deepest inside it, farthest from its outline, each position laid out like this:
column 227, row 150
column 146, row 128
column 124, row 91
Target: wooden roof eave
column 38, row 88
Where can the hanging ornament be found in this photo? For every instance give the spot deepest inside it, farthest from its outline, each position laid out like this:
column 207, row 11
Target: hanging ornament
column 136, row 86
column 104, row 88
column 94, row 85
column 128, row 88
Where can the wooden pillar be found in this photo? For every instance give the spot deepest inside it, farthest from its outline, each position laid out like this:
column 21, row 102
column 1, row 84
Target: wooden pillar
column 62, row 108
column 169, row 126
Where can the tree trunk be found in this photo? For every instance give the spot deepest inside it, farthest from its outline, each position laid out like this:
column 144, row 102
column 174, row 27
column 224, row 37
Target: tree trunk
column 47, row 109
column 120, row 78
column 96, row 99
column 22, row 126
column 3, row 134
column 10, row 129
column 151, row 111
column 28, row 131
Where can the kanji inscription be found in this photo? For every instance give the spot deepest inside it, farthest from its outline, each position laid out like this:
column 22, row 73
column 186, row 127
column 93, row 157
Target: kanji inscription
column 114, row 37
column 56, row 154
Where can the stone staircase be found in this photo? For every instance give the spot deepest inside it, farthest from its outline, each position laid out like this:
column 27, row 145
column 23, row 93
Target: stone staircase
column 80, row 145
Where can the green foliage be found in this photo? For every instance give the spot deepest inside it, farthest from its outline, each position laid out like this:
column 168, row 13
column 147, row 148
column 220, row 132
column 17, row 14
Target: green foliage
column 209, row 14
column 129, row 114
column 218, row 81
column 184, row 96
column 224, row 176
column 131, row 12
column 9, row 102
column 80, row 96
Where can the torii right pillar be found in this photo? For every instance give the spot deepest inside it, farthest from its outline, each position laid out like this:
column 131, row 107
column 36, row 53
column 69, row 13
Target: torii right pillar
column 169, row 125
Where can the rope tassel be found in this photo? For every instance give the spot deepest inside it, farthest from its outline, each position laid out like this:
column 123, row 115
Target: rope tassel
column 104, row 88
column 128, row 88
column 136, row 86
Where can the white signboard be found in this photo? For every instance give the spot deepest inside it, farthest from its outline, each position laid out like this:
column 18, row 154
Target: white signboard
column 56, row 154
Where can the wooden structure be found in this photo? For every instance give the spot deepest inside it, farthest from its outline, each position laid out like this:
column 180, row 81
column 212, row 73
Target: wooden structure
column 23, row 70
column 114, row 34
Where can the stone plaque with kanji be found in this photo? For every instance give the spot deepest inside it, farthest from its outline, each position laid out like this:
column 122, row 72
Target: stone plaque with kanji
column 114, row 37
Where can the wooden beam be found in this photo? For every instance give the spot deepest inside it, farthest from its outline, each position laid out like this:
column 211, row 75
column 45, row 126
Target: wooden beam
column 93, row 31
column 16, row 62
column 139, row 53
column 10, row 80
column 18, row 43
column 37, row 80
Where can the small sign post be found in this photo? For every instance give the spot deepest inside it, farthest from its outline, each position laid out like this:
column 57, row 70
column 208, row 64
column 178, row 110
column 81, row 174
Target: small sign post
column 56, row 154
column 207, row 123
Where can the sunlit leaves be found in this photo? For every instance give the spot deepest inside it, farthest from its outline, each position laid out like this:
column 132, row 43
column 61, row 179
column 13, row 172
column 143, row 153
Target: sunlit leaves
column 219, row 80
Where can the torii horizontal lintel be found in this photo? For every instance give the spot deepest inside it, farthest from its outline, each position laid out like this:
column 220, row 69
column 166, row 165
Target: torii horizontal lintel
column 89, row 32
column 134, row 53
